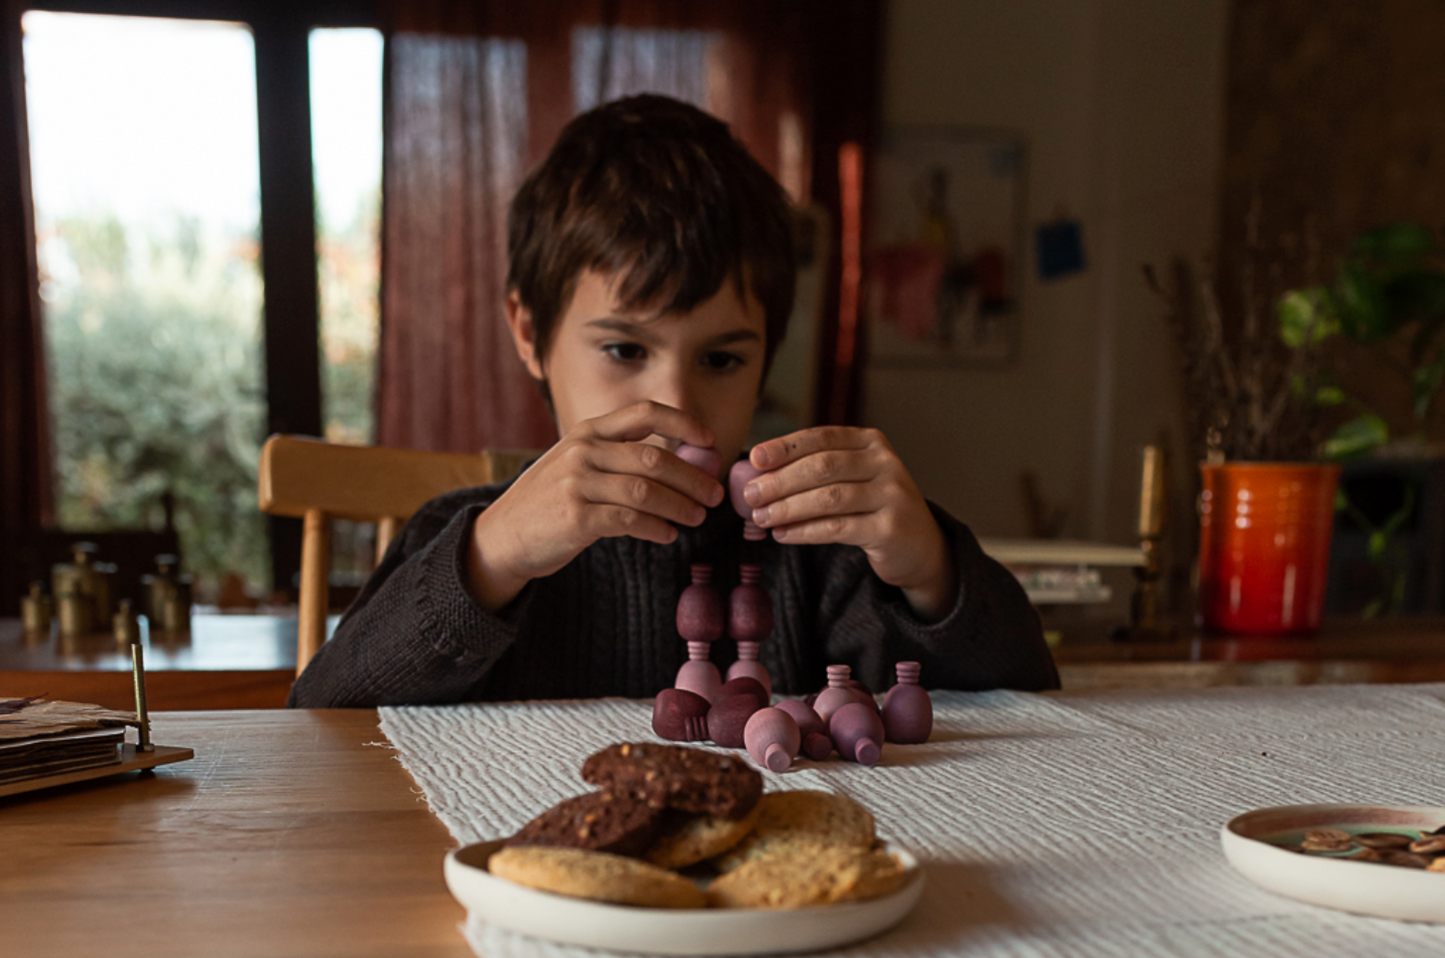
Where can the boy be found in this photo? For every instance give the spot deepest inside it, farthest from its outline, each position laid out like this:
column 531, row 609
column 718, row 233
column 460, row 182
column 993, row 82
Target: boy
column 651, row 278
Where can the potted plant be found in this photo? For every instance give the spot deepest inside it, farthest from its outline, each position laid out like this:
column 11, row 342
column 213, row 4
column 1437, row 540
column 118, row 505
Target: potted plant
column 1388, row 296
column 1266, row 508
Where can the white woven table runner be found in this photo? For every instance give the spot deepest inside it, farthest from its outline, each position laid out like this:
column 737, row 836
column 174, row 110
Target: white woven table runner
column 1051, row 825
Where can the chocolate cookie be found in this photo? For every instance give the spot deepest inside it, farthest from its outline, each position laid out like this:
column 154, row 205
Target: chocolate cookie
column 598, row 821
column 671, row 776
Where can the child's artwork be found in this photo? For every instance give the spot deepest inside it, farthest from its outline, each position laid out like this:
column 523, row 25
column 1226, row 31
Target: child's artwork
column 944, row 268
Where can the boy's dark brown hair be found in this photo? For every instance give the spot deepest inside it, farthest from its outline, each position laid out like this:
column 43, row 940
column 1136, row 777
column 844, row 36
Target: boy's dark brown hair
column 662, row 194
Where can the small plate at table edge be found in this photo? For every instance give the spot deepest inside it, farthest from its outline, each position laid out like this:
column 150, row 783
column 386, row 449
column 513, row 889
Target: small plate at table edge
column 1405, row 894
column 669, row 931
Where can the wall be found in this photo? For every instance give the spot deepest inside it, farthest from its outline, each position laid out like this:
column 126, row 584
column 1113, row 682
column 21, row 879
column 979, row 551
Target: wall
column 1120, row 102
column 1335, row 121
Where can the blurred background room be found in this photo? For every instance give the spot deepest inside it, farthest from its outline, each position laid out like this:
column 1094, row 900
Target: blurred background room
column 226, row 219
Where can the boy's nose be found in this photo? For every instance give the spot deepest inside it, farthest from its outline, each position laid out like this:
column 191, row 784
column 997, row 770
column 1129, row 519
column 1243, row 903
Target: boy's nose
column 674, row 390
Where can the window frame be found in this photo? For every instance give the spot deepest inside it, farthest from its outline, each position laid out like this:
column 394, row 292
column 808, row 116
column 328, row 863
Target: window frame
column 291, row 315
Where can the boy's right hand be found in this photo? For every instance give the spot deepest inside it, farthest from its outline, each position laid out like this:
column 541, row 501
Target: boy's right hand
column 599, row 480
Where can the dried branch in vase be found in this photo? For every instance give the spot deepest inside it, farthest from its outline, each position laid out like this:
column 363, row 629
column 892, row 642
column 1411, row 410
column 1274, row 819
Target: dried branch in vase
column 1247, row 396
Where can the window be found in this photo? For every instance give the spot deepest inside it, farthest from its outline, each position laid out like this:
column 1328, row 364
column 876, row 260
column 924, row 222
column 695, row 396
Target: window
column 346, row 151
column 144, row 165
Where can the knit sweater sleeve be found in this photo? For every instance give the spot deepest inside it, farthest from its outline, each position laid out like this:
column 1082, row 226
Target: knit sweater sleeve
column 414, row 634
column 990, row 638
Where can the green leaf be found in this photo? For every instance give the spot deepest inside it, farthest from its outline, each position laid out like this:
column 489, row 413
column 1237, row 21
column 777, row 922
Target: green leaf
column 1396, row 244
column 1342, row 501
column 1378, row 541
column 1306, row 314
column 1356, row 438
column 1360, row 301
column 1329, row 396
column 1424, row 385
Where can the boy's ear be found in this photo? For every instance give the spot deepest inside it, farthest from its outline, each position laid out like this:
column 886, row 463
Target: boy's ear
column 524, row 335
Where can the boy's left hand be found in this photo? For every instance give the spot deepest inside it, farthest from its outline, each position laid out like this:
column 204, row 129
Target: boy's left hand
column 846, row 485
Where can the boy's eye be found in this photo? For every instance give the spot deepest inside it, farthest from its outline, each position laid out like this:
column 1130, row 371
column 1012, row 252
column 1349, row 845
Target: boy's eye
column 720, row 360
column 625, row 352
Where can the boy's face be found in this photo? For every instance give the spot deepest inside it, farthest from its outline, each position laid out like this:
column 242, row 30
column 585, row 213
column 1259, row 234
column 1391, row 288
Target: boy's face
column 707, row 362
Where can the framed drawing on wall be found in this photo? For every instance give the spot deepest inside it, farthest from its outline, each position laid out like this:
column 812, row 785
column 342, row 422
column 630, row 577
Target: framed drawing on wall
column 946, row 258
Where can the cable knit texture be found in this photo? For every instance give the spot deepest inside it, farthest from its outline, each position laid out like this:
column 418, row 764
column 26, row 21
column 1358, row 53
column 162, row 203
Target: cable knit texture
column 606, row 623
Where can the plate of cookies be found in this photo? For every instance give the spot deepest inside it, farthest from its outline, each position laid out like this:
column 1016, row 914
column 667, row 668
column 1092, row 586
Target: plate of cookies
column 677, row 851
column 1382, row 860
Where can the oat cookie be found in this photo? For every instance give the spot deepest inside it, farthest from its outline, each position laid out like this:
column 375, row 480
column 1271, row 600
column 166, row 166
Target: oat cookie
column 672, row 776
column 810, row 874
column 787, row 818
column 595, row 875
column 596, row 821
column 688, row 839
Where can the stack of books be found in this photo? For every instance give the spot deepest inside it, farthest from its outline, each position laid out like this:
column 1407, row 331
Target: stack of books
column 1061, row 571
column 41, row 738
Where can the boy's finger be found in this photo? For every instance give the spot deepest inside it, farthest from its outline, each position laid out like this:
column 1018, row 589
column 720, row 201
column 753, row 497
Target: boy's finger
column 853, row 530
column 656, row 463
column 642, row 495
column 794, row 446
column 611, row 521
column 813, row 472
column 640, row 420
column 840, row 498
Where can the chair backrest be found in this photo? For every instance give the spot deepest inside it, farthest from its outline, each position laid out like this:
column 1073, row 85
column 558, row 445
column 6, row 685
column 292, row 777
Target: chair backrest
column 319, row 481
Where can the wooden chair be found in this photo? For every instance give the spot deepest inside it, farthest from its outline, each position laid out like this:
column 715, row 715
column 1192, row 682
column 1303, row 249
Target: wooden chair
column 319, row 481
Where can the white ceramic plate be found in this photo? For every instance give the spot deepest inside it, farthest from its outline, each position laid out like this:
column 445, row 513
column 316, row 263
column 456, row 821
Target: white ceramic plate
column 671, row 931
column 1365, row 888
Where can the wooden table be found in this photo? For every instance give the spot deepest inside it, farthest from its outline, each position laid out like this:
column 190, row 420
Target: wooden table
column 224, row 662
column 286, row 835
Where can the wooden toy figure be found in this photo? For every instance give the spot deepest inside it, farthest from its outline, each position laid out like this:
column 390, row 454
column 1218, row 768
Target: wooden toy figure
column 816, row 743
column 750, row 608
column 750, row 621
column 743, row 472
column 907, row 709
column 772, row 739
column 707, row 460
column 700, row 623
column 680, row 715
column 858, row 732
column 838, row 694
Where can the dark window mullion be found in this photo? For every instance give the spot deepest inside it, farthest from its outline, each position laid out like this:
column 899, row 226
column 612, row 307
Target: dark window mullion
column 288, row 252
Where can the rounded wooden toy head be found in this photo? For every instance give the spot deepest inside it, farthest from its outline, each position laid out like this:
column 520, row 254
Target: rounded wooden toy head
column 708, row 460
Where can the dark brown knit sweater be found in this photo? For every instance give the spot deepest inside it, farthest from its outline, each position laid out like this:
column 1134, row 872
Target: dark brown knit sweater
column 605, row 624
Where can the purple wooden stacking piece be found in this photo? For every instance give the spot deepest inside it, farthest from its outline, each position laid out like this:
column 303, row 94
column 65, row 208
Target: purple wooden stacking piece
column 907, row 708
column 708, row 460
column 838, row 693
column 816, row 743
column 750, row 621
column 728, row 718
column 700, row 620
column 742, row 473
column 680, row 715
column 858, row 732
column 772, row 739
column 745, row 685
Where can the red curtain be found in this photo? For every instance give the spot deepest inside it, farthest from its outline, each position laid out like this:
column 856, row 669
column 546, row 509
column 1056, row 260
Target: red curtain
column 475, row 95
column 25, row 487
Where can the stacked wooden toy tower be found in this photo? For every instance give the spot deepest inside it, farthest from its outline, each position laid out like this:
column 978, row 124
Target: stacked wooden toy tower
column 738, row 713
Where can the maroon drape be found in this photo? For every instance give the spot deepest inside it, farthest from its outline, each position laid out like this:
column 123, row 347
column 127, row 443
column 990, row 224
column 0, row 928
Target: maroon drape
column 475, row 94
column 25, row 487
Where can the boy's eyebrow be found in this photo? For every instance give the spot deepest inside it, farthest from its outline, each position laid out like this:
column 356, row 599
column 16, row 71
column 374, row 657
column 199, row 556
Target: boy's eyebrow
column 641, row 331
